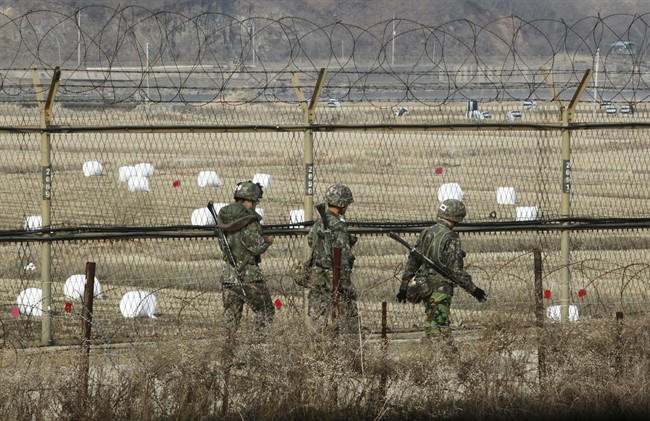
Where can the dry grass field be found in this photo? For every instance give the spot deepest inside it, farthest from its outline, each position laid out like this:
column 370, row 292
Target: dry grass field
column 395, row 174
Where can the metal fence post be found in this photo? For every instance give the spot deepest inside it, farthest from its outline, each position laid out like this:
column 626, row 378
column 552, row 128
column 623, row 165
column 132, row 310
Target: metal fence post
column 566, row 115
column 308, row 118
column 45, row 107
column 565, row 244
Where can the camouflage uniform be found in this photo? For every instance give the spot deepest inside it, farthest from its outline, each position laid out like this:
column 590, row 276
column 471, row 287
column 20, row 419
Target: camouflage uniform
column 442, row 246
column 243, row 231
column 322, row 263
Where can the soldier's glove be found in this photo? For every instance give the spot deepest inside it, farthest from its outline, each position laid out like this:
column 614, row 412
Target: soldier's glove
column 401, row 296
column 479, row 294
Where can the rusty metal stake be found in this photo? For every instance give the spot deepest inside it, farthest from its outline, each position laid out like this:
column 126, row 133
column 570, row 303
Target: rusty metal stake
column 540, row 316
column 384, row 338
column 86, row 324
column 619, row 343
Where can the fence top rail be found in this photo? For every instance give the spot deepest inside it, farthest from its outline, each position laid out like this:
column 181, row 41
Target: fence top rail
column 366, row 228
column 152, row 129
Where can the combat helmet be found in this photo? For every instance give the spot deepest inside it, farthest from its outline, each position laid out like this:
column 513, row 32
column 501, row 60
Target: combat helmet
column 338, row 195
column 452, row 210
column 248, row 190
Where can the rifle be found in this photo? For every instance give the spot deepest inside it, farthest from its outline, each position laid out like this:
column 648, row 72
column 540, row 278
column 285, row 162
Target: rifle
column 336, row 262
column 225, row 247
column 442, row 271
column 323, row 216
column 327, row 234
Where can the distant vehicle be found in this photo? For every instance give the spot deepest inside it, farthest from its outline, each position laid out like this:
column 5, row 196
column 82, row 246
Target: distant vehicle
column 333, row 103
column 402, row 111
column 530, row 105
column 513, row 115
column 627, row 109
column 611, row 110
column 480, row 115
column 606, row 103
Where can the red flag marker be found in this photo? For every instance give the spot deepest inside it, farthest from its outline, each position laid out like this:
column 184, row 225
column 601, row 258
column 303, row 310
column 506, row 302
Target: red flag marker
column 278, row 303
column 176, row 183
column 547, row 293
column 582, row 293
column 15, row 312
column 68, row 307
column 439, row 170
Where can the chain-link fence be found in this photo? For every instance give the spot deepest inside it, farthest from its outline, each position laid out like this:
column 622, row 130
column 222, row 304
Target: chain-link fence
column 124, row 155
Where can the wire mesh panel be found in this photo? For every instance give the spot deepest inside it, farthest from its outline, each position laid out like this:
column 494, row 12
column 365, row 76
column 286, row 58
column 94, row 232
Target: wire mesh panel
column 402, row 175
column 139, row 138
column 162, row 179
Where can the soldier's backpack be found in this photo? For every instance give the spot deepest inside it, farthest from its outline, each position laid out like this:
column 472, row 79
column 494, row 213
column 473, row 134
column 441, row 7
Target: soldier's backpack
column 422, row 286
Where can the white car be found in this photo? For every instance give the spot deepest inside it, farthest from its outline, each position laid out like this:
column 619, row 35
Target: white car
column 402, row 111
column 479, row 115
column 334, row 103
column 627, row 109
column 513, row 115
column 530, row 105
column 611, row 110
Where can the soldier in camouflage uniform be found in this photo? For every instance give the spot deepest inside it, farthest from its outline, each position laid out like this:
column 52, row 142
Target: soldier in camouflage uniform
column 243, row 231
column 421, row 282
column 338, row 197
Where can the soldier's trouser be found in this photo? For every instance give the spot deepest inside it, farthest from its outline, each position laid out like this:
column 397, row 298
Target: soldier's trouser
column 436, row 308
column 321, row 305
column 256, row 295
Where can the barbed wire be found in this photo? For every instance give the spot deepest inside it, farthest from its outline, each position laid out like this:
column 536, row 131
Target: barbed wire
column 235, row 76
column 132, row 54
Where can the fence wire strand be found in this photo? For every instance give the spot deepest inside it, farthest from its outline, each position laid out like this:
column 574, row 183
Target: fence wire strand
column 155, row 114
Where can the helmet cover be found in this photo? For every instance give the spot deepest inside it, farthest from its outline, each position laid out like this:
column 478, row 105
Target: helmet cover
column 248, row 190
column 339, row 195
column 452, row 210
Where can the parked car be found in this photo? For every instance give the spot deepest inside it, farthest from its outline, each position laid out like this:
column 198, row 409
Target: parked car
column 513, row 115
column 479, row 115
column 402, row 111
column 627, row 109
column 611, row 110
column 530, row 105
column 333, row 103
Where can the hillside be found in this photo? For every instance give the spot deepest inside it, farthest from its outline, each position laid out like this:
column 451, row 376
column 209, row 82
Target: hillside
column 176, row 30
column 363, row 12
